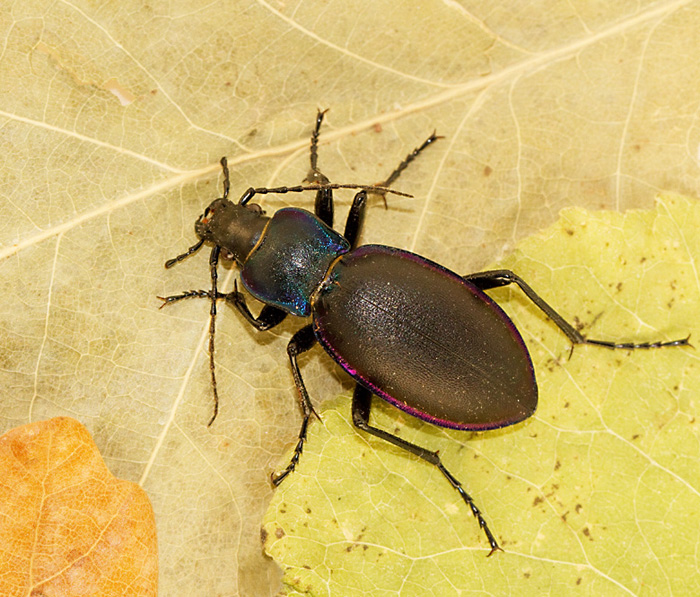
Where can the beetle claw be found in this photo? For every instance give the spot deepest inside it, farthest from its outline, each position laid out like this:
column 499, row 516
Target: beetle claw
column 494, row 549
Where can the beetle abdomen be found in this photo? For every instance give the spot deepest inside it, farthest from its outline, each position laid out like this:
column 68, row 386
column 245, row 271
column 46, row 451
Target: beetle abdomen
column 421, row 337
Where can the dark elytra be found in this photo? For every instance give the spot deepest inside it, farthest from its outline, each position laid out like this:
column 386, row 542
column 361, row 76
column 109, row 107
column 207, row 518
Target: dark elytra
column 427, row 340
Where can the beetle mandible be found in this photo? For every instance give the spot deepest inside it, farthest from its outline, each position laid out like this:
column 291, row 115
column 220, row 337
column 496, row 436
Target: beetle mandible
column 429, row 341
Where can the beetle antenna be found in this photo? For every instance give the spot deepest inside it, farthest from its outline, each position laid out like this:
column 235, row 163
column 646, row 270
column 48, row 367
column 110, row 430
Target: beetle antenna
column 248, row 195
column 227, row 184
column 193, row 249
column 213, row 263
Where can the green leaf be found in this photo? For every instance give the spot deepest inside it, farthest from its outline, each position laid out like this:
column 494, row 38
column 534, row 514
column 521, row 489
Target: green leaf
column 597, row 493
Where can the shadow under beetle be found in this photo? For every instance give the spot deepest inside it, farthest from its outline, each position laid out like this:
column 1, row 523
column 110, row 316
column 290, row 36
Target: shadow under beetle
column 408, row 330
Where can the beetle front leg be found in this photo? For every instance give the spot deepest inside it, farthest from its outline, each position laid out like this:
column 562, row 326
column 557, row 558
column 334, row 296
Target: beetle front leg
column 504, row 277
column 268, row 318
column 408, row 159
column 356, row 218
column 324, row 198
column 361, row 405
column 323, row 207
column 174, row 298
column 404, row 164
column 302, row 341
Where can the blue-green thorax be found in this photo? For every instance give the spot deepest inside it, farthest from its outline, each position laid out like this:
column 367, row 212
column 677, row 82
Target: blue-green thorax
column 290, row 260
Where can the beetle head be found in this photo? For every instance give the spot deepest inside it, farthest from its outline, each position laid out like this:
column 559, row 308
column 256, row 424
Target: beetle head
column 235, row 227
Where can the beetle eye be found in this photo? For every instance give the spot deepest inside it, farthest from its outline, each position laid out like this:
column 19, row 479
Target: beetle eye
column 255, row 207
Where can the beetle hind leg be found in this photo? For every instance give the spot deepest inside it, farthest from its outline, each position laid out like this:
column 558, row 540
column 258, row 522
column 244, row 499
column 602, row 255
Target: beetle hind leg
column 504, row 277
column 361, row 405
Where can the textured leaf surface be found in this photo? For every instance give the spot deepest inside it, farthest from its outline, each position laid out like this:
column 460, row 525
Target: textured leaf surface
column 113, row 116
column 596, row 494
column 68, row 526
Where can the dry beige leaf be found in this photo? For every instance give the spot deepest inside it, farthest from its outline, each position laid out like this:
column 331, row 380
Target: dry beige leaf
column 67, row 525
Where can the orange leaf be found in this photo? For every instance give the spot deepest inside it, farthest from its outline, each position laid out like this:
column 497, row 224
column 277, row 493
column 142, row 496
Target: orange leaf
column 67, row 525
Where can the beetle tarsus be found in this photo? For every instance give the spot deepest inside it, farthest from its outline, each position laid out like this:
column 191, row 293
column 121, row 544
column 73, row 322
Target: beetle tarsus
column 278, row 478
column 409, row 158
column 227, row 182
column 636, row 345
column 470, row 502
column 315, row 175
column 494, row 549
column 169, row 300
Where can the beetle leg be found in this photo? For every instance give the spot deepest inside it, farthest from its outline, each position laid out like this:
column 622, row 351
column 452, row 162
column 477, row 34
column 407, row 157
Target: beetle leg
column 169, row 300
column 324, row 198
column 403, row 165
column 302, row 341
column 361, row 405
column 227, row 183
column 409, row 158
column 314, row 172
column 356, row 217
column 503, row 277
column 268, row 318
column 323, row 206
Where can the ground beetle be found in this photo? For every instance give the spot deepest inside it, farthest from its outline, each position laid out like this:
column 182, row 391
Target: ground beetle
column 408, row 330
